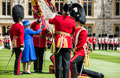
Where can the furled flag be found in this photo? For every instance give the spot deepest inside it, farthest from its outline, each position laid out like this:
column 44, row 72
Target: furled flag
column 37, row 11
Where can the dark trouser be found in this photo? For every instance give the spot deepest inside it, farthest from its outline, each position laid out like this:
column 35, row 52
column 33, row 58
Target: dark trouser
column 111, row 46
column 39, row 62
column 4, row 45
column 62, row 60
column 115, row 47
column 18, row 54
column 74, row 60
column 99, row 45
column 90, row 73
column 105, row 46
column 94, row 46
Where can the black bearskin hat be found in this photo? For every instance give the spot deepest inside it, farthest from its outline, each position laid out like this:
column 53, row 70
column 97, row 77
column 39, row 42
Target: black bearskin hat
column 78, row 13
column 99, row 35
column 105, row 35
column 17, row 13
column 93, row 34
column 90, row 35
column 67, row 8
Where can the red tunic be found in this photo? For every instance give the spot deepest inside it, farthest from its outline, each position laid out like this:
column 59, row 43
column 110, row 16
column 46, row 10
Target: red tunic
column 82, row 39
column 94, row 40
column 39, row 40
column 90, row 39
column 17, row 35
column 99, row 40
column 66, row 24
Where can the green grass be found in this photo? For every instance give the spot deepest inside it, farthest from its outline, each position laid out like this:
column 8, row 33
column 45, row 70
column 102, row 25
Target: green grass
column 107, row 64
column 107, row 58
column 118, row 51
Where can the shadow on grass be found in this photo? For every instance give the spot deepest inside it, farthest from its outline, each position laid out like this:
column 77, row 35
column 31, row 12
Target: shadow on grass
column 7, row 72
column 42, row 73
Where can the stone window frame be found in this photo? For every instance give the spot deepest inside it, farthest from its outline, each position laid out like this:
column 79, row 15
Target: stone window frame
column 114, row 26
column 11, row 2
column 91, row 25
column 114, row 7
column 93, row 5
column 59, row 3
column 27, row 8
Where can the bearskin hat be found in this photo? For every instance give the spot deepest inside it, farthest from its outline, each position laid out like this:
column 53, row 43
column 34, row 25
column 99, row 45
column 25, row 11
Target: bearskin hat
column 99, row 35
column 78, row 13
column 105, row 35
column 17, row 13
column 67, row 8
column 90, row 35
column 93, row 34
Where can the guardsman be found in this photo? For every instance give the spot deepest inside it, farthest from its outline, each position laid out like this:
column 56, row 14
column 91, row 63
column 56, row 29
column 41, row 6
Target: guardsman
column 99, row 41
column 90, row 39
column 103, row 42
column 106, row 41
column 5, row 41
column 94, row 41
column 112, row 42
column 115, row 42
column 64, row 28
column 109, row 42
column 40, row 44
column 17, row 36
column 80, row 38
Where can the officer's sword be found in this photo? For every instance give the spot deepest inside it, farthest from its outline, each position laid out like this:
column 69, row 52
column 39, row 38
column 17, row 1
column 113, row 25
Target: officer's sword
column 8, row 62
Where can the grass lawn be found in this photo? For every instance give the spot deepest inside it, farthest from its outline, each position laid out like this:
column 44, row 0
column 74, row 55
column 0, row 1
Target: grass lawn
column 107, row 64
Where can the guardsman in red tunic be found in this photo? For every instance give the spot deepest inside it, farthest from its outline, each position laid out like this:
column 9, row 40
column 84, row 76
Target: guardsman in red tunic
column 80, row 38
column 112, row 42
column 5, row 41
column 99, row 41
column 103, row 41
column 40, row 44
column 115, row 42
column 106, row 41
column 90, row 39
column 64, row 28
column 94, row 41
column 109, row 42
column 17, row 36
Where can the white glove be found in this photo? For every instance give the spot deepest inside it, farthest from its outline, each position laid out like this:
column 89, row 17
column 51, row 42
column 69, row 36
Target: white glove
column 53, row 15
column 21, row 48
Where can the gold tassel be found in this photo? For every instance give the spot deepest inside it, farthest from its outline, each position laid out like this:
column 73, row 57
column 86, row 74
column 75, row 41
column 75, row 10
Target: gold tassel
column 65, row 43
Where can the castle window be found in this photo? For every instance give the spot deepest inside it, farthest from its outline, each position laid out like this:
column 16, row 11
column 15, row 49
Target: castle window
column 59, row 5
column 6, row 7
column 89, row 7
column 117, row 7
column 29, row 8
